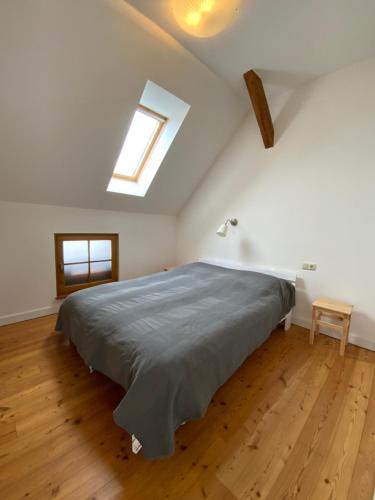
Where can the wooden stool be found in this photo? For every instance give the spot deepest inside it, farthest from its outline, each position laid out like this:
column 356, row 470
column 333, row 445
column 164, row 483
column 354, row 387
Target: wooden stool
column 333, row 309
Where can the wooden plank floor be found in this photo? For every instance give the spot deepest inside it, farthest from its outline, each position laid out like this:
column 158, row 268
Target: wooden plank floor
column 295, row 421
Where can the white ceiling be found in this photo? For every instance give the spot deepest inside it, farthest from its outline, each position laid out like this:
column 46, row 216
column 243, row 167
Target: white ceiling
column 287, row 41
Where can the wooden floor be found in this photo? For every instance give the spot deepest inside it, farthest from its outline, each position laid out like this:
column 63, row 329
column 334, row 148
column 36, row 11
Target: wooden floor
column 295, row 421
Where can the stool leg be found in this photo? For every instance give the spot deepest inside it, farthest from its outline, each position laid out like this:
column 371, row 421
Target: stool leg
column 344, row 337
column 313, row 326
column 317, row 326
column 347, row 337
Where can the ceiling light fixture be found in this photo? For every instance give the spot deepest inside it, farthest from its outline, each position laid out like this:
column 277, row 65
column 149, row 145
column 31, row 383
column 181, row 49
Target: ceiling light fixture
column 204, row 18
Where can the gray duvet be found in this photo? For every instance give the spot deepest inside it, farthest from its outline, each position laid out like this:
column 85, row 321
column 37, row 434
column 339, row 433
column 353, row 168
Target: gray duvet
column 172, row 339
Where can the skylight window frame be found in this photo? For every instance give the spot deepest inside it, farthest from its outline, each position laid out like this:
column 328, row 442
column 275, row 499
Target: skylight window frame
column 162, row 121
column 161, row 102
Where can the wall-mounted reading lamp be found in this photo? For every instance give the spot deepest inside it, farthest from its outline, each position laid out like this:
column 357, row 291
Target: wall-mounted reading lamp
column 223, row 229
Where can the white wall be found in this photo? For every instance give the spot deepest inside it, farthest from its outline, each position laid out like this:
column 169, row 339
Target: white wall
column 27, row 261
column 310, row 198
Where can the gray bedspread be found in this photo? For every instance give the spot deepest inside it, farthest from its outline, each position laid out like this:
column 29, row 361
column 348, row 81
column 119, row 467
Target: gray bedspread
column 172, row 339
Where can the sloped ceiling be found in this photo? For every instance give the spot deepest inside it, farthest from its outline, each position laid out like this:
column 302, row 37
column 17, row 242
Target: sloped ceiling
column 72, row 72
column 287, row 41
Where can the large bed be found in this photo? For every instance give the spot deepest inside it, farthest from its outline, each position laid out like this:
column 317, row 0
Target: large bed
column 172, row 339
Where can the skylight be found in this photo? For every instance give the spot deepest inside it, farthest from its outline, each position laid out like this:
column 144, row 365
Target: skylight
column 143, row 133
column 154, row 125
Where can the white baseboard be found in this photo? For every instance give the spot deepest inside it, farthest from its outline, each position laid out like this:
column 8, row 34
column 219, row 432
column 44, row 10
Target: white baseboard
column 354, row 338
column 25, row 315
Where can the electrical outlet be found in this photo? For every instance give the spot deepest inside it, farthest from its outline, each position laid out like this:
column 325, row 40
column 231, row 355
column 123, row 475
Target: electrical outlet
column 308, row 266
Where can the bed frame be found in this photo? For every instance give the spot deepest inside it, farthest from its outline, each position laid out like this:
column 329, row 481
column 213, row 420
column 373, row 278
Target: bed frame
column 290, row 276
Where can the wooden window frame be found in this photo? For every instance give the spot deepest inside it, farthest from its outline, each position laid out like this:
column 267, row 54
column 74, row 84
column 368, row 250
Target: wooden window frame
column 146, row 155
column 63, row 290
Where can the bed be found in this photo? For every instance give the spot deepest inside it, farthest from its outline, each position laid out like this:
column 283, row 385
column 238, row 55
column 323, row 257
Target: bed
column 172, row 339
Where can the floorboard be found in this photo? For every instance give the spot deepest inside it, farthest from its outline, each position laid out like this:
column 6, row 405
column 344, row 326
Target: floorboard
column 294, row 422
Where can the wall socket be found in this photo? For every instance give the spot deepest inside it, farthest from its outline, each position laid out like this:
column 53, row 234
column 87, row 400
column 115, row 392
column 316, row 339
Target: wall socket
column 308, row 266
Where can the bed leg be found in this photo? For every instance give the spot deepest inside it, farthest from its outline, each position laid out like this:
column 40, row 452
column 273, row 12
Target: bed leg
column 136, row 445
column 91, row 369
column 288, row 321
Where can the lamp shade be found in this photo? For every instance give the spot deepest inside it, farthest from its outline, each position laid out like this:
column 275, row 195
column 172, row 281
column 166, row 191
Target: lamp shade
column 223, row 229
column 204, row 18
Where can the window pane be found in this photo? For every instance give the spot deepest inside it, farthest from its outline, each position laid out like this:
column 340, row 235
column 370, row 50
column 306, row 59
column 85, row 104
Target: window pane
column 141, row 132
column 75, row 251
column 100, row 271
column 100, row 250
column 75, row 274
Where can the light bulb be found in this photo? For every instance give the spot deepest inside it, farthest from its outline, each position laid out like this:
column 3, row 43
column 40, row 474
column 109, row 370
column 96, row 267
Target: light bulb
column 207, row 5
column 193, row 18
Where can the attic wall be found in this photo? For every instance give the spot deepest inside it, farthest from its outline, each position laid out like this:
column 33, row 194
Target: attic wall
column 27, row 253
column 308, row 199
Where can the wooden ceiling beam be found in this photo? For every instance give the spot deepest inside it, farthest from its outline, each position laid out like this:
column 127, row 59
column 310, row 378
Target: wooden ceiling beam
column 259, row 101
